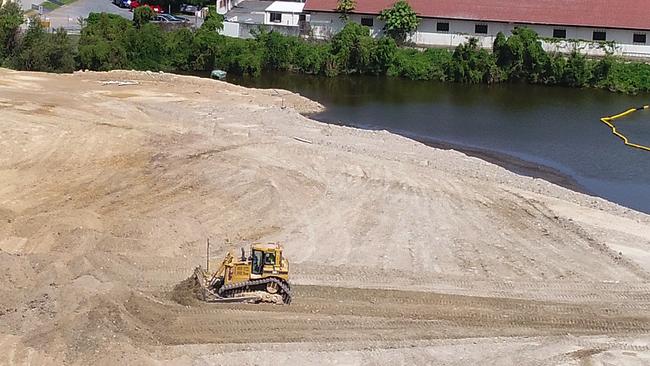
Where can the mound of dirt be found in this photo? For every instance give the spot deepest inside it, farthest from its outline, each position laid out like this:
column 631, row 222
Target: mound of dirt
column 400, row 253
column 187, row 292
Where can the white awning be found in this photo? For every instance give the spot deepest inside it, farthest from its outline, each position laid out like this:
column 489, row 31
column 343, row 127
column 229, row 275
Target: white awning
column 285, row 7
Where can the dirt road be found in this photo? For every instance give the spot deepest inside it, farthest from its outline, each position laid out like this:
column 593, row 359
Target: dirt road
column 400, row 253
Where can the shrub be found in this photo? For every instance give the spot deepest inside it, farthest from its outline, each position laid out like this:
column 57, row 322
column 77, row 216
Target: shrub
column 400, row 20
column 38, row 50
column 11, row 18
column 239, row 56
column 142, row 15
column 102, row 45
column 145, row 48
column 472, row 64
column 179, row 50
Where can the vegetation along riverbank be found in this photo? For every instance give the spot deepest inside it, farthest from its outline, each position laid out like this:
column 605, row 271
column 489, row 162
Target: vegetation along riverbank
column 112, row 42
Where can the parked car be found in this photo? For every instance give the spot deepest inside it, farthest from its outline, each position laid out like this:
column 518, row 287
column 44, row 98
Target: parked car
column 172, row 18
column 136, row 4
column 189, row 9
column 122, row 3
column 161, row 19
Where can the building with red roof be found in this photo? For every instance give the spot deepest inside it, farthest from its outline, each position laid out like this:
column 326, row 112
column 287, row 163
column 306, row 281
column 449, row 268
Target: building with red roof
column 621, row 25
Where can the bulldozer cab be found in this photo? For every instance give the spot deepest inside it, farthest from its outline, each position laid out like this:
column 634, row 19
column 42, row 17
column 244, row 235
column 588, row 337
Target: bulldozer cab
column 265, row 258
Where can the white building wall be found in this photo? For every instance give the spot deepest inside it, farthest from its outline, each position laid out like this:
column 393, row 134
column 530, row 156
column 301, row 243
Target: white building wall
column 230, row 29
column 325, row 25
column 288, row 19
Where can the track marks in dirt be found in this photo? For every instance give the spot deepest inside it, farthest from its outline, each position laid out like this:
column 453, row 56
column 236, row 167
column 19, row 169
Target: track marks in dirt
column 328, row 314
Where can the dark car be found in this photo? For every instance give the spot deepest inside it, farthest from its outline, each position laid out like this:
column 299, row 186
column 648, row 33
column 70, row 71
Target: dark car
column 171, row 18
column 189, row 9
column 122, row 3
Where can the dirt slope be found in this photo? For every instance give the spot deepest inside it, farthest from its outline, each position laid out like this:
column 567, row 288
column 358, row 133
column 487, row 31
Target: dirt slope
column 400, row 253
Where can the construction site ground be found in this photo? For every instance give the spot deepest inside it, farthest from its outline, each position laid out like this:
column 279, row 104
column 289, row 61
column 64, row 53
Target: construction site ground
column 400, row 253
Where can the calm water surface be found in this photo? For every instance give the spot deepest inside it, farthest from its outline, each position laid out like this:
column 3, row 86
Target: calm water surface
column 555, row 127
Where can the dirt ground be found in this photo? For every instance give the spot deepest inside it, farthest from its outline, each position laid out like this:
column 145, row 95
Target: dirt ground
column 400, row 253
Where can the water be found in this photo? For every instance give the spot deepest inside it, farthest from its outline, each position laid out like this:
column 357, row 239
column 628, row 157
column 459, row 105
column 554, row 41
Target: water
column 555, row 127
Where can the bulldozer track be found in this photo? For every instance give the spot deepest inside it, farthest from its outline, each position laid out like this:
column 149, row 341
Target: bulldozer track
column 235, row 288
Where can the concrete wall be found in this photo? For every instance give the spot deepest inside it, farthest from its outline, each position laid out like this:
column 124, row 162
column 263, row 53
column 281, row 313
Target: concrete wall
column 325, row 25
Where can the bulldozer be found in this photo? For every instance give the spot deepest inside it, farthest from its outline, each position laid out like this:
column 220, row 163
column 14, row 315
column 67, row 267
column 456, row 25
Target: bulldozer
column 262, row 276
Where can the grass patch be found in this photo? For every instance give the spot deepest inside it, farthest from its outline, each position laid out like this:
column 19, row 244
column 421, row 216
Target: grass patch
column 49, row 5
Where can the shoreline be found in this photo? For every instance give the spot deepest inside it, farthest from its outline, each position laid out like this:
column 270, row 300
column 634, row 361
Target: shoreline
column 509, row 162
column 514, row 164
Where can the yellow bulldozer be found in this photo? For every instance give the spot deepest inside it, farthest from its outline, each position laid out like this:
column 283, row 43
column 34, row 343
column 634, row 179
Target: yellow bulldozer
column 262, row 276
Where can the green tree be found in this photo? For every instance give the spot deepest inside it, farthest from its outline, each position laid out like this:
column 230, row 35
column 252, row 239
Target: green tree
column 472, row 64
column 577, row 72
column 416, row 65
column 601, row 73
column 351, row 49
column 213, row 21
column 310, row 58
column 345, row 7
column 521, row 55
column 206, row 42
column 145, row 48
column 277, row 49
column 11, row 18
column 240, row 56
column 60, row 52
column 38, row 50
column 401, row 20
column 142, row 15
column 178, row 47
column 102, row 45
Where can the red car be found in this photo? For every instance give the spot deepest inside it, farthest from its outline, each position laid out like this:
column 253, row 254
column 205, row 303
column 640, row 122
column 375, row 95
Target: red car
column 156, row 8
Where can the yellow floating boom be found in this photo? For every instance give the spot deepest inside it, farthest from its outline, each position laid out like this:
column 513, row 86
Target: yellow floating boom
column 609, row 122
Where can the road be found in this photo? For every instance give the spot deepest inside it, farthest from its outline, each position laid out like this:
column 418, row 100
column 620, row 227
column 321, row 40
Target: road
column 67, row 16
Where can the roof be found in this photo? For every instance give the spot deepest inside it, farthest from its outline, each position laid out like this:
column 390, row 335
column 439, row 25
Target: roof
column 626, row 14
column 286, row 7
column 251, row 11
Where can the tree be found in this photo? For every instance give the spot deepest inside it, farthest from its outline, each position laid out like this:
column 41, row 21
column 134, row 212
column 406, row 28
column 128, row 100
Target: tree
column 521, row 56
column 206, row 41
column 401, row 20
column 38, row 50
column 102, row 45
column 472, row 64
column 145, row 48
column 11, row 18
column 213, row 21
column 142, row 15
column 345, row 7
column 577, row 72
column 351, row 48
column 178, row 44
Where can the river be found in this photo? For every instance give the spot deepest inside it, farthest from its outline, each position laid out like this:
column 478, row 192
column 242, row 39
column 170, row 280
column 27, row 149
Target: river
column 534, row 130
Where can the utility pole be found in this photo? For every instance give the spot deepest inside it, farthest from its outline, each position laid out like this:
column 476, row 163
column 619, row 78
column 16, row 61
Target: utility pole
column 207, row 257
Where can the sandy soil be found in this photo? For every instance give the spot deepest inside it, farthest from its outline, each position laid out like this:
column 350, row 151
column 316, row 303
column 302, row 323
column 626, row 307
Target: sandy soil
column 400, row 253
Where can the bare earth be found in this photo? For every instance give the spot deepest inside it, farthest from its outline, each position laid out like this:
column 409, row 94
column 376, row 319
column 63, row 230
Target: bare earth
column 400, row 253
